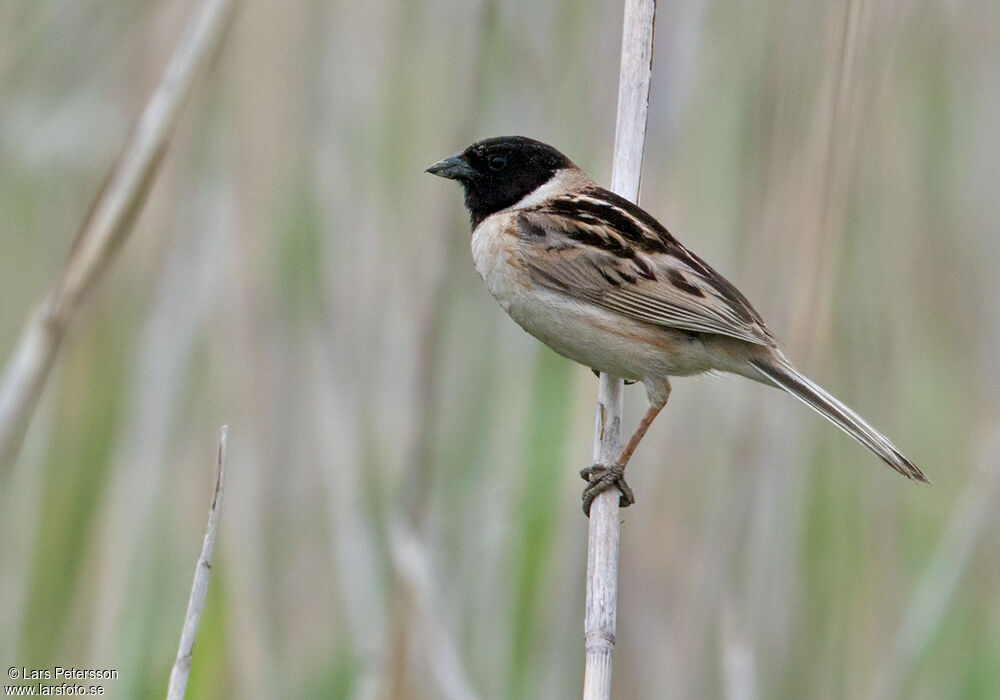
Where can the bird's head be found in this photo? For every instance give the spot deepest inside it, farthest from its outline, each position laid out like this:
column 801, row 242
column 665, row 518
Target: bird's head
column 498, row 172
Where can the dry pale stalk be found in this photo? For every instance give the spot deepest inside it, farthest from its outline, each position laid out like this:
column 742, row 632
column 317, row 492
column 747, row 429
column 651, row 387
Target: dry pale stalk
column 602, row 545
column 199, row 588
column 105, row 228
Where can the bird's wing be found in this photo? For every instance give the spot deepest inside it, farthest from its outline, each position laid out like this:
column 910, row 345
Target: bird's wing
column 601, row 248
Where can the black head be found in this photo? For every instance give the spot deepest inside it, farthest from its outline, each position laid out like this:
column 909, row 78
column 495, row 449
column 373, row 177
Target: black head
column 498, row 172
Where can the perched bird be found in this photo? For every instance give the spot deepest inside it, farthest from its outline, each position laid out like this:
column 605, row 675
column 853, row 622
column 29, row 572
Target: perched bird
column 602, row 282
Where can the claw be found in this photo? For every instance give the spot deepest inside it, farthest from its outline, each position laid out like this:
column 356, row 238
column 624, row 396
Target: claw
column 628, row 382
column 601, row 478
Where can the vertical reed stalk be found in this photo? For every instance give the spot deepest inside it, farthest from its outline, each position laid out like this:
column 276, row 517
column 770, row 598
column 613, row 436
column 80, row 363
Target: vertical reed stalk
column 199, row 587
column 602, row 543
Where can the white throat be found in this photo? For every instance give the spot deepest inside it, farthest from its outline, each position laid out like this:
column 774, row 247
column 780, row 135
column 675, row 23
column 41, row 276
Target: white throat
column 556, row 183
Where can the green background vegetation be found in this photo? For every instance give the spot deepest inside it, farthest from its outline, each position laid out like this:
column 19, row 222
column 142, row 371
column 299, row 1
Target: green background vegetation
column 402, row 511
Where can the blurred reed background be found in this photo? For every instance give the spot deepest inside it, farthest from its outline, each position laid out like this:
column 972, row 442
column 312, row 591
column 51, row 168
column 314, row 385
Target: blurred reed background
column 402, row 510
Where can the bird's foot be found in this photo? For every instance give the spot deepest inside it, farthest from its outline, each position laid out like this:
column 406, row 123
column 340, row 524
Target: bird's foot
column 600, row 479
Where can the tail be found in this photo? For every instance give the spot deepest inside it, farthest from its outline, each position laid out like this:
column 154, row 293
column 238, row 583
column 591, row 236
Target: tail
column 782, row 374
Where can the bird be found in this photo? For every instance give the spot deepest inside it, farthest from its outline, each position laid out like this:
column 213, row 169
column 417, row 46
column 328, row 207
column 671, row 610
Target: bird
column 601, row 282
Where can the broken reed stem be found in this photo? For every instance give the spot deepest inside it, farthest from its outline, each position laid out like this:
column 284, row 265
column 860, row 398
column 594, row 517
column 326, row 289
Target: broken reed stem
column 603, row 536
column 104, row 230
column 199, row 588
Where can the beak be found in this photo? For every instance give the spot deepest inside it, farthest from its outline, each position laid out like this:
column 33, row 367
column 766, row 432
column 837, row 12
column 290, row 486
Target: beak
column 453, row 168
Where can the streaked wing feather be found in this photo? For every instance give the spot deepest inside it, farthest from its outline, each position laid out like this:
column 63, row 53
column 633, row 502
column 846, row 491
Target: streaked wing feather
column 593, row 248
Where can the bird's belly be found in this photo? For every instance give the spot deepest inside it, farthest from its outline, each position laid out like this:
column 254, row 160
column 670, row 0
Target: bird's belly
column 607, row 341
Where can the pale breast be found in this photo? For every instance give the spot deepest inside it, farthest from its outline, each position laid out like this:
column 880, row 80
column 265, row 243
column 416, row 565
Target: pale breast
column 497, row 259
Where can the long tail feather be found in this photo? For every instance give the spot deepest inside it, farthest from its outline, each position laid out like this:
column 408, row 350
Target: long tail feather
column 783, row 375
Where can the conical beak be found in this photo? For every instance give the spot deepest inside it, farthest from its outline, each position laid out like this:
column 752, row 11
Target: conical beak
column 453, row 168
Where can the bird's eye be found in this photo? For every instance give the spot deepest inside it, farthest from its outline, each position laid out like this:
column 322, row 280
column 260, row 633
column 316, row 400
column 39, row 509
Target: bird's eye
column 498, row 163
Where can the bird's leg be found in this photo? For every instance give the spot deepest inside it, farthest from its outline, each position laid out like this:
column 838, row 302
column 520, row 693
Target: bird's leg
column 603, row 477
